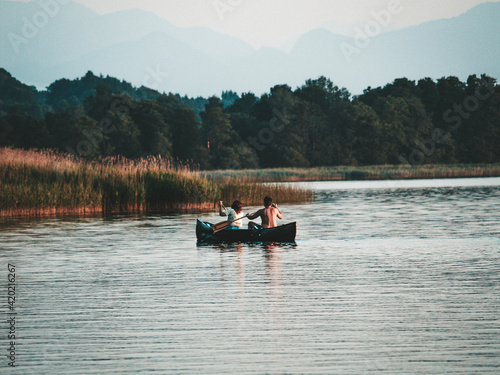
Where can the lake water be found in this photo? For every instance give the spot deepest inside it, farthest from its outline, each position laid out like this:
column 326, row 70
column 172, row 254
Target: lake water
column 385, row 278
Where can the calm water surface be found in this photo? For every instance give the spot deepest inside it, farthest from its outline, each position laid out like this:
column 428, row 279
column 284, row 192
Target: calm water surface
column 385, row 278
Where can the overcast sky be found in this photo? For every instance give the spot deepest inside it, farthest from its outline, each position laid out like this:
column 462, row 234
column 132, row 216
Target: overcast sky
column 275, row 22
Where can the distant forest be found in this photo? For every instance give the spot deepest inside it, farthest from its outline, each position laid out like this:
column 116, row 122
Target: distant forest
column 317, row 124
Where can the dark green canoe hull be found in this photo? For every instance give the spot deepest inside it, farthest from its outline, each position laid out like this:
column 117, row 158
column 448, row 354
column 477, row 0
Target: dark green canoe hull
column 283, row 233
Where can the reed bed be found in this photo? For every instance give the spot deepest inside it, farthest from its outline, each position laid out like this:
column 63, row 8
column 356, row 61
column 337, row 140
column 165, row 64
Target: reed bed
column 252, row 194
column 39, row 183
column 382, row 172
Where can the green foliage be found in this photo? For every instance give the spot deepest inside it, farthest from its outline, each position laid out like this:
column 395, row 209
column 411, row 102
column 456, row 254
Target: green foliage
column 74, row 92
column 154, row 131
column 317, row 124
column 15, row 94
column 22, row 130
column 219, row 134
column 228, row 98
column 186, row 136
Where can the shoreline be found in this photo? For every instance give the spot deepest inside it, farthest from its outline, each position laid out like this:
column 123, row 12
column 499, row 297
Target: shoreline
column 57, row 212
column 47, row 184
column 367, row 173
column 180, row 208
column 385, row 179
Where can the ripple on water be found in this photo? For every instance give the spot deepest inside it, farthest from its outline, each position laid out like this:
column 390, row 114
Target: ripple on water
column 381, row 280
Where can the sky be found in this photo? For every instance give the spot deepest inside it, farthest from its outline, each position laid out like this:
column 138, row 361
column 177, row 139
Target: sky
column 275, row 23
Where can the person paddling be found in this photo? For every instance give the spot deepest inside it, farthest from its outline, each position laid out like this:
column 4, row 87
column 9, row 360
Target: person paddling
column 268, row 214
column 233, row 213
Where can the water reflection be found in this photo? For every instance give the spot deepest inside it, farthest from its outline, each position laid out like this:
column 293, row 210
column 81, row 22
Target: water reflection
column 388, row 281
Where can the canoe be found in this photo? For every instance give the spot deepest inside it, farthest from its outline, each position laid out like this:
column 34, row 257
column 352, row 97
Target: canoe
column 283, row 233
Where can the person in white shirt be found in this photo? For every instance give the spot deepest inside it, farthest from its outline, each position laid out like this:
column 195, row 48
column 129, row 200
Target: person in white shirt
column 233, row 213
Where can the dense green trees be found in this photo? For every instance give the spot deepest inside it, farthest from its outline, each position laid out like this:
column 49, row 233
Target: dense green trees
column 16, row 94
column 317, row 124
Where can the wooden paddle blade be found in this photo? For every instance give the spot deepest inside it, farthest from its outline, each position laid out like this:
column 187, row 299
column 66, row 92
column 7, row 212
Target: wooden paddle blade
column 221, row 226
column 225, row 224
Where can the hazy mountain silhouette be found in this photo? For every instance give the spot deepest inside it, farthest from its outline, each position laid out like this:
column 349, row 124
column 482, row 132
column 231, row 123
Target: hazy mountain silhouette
column 143, row 48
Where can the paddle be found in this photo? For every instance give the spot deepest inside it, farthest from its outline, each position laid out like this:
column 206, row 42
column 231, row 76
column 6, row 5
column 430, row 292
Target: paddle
column 225, row 224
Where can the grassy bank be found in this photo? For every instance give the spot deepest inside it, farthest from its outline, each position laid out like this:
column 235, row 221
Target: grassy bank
column 37, row 183
column 382, row 172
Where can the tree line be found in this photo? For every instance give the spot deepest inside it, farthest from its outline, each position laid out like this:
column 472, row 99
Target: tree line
column 318, row 124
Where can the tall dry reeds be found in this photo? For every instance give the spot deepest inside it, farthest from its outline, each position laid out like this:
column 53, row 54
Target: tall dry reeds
column 35, row 183
column 252, row 193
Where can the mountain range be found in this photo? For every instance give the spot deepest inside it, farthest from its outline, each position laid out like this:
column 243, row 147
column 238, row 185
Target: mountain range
column 40, row 44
